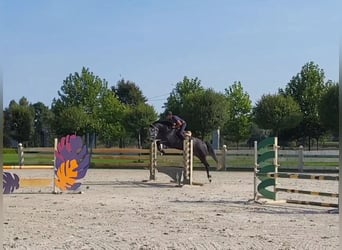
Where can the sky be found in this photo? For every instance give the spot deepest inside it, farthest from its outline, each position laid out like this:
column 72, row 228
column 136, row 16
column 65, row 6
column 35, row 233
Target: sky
column 154, row 43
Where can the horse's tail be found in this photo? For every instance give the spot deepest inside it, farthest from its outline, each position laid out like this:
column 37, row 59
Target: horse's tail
column 211, row 151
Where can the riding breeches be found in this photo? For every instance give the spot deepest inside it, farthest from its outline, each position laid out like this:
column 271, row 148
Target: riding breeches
column 181, row 130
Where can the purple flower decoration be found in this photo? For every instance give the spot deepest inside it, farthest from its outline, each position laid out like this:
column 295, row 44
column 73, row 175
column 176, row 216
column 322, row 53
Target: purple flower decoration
column 10, row 182
column 72, row 162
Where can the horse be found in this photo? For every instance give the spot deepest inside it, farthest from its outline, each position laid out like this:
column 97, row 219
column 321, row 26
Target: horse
column 167, row 135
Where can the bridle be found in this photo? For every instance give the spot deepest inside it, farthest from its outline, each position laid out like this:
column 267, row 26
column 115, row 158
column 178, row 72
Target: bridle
column 153, row 130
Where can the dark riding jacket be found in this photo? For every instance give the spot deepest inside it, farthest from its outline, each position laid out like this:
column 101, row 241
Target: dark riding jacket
column 177, row 121
column 179, row 124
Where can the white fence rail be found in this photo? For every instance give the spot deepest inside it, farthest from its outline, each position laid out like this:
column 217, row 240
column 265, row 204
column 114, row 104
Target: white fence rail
column 299, row 156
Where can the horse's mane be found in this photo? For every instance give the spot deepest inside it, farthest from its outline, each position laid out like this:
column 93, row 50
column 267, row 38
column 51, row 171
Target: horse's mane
column 164, row 122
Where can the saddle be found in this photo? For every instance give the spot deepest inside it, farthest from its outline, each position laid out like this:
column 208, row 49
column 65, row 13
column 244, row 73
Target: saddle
column 186, row 133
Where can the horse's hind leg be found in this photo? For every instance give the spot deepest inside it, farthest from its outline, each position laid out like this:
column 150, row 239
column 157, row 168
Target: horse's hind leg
column 202, row 158
column 206, row 164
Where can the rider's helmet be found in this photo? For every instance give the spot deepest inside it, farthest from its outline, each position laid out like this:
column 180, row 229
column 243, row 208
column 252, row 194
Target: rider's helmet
column 168, row 114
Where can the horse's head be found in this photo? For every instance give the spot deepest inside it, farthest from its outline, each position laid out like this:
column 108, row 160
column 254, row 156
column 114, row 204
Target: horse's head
column 159, row 129
column 153, row 131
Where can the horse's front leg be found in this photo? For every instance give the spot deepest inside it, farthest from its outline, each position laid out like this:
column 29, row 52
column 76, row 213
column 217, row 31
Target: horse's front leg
column 160, row 148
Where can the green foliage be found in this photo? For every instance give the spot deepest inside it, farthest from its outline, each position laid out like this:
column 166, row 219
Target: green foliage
column 276, row 112
column 328, row 109
column 204, row 111
column 175, row 102
column 137, row 120
column 256, row 134
column 82, row 90
column 305, row 108
column 129, row 93
column 43, row 119
column 94, row 107
column 7, row 128
column 238, row 123
column 71, row 120
column 19, row 121
column 138, row 115
column 307, row 88
column 110, row 117
column 10, row 151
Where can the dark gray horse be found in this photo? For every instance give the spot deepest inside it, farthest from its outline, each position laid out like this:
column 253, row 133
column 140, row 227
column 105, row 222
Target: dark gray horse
column 163, row 131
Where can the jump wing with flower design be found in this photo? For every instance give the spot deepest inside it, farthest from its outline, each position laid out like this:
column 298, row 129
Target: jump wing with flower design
column 72, row 162
column 10, row 182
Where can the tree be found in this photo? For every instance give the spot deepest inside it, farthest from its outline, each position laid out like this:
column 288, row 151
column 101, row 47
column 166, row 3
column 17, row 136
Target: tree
column 175, row 102
column 82, row 91
column 276, row 112
column 71, row 120
column 204, row 111
column 256, row 134
column 237, row 126
column 328, row 109
column 129, row 93
column 110, row 117
column 138, row 114
column 20, row 121
column 138, row 119
column 96, row 106
column 7, row 139
column 307, row 88
column 43, row 118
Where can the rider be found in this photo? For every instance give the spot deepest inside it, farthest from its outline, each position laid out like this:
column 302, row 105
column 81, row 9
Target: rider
column 178, row 123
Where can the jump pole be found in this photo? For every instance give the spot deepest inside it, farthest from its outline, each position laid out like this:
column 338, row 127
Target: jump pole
column 153, row 160
column 38, row 182
column 256, row 165
column 54, row 168
column 174, row 172
column 274, row 175
column 188, row 160
column 29, row 167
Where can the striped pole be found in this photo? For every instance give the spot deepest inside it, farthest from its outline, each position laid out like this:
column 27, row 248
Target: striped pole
column 299, row 176
column 312, row 203
column 153, row 160
column 256, row 165
column 275, row 164
column 268, row 174
column 307, row 192
column 188, row 160
column 55, row 167
column 29, row 167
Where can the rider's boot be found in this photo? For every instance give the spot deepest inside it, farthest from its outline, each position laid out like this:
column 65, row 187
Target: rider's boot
column 181, row 135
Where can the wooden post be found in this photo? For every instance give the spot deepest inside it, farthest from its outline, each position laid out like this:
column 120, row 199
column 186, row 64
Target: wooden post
column 188, row 160
column 300, row 159
column 54, row 167
column 276, row 165
column 21, row 154
column 224, row 154
column 255, row 169
column 153, row 160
